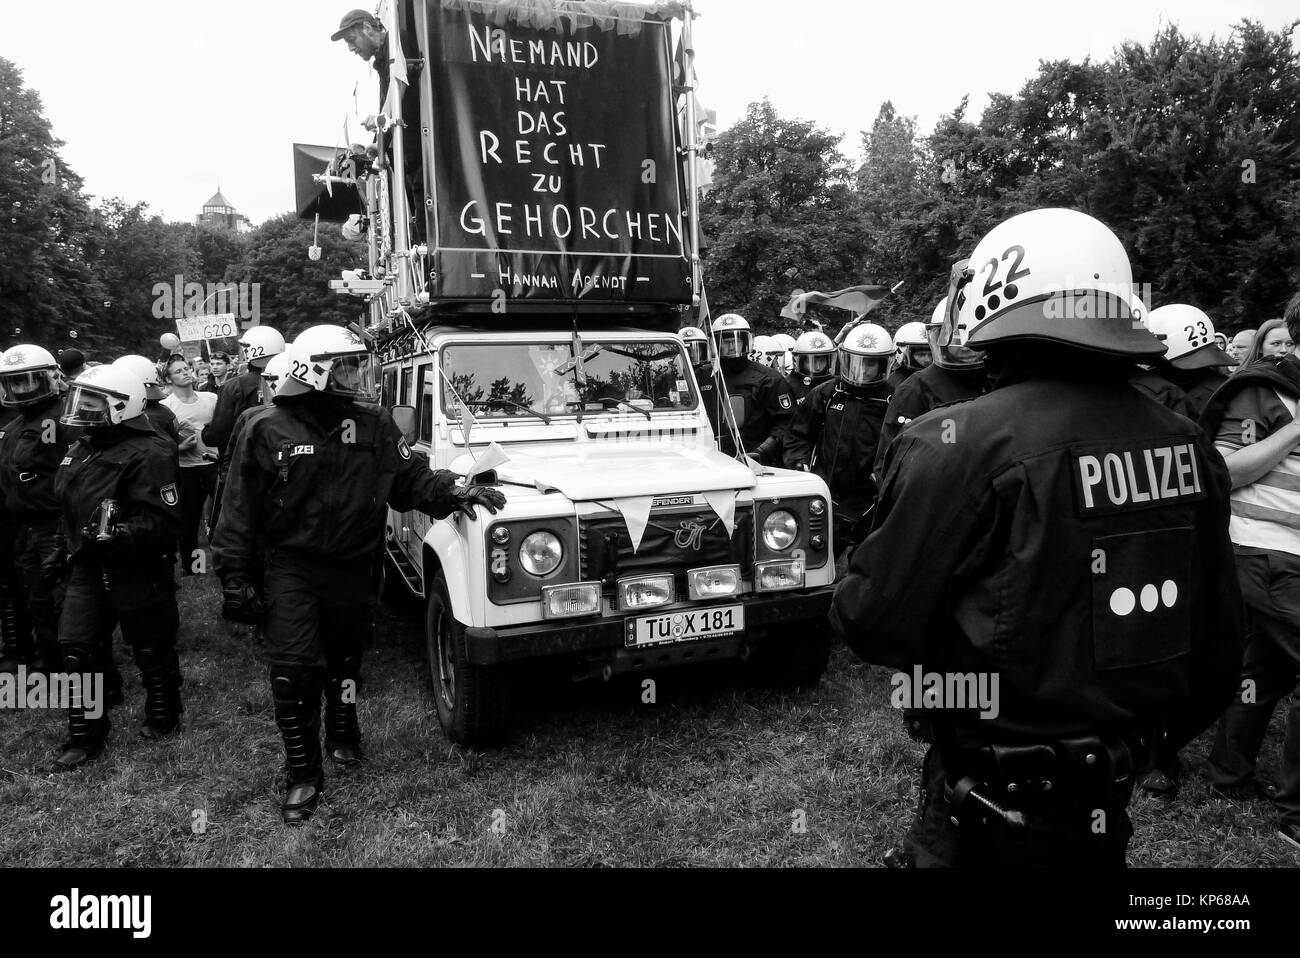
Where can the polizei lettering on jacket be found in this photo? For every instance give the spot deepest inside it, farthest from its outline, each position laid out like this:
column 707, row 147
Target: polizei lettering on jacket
column 1141, row 476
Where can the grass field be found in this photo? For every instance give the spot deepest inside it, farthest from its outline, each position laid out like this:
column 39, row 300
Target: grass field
column 714, row 773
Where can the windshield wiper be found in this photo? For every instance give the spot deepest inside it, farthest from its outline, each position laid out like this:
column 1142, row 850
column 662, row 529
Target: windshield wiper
column 627, row 405
column 510, row 402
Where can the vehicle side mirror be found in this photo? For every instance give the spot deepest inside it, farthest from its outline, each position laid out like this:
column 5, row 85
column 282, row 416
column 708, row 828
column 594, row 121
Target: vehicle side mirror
column 404, row 417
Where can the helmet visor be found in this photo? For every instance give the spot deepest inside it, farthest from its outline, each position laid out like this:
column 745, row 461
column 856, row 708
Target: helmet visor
column 813, row 364
column 918, row 357
column 862, row 370
column 87, row 407
column 353, row 375
column 28, row 386
column 733, row 343
column 697, row 350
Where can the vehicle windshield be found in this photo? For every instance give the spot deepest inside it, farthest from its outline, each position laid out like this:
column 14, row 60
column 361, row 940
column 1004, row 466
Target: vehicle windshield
column 521, row 380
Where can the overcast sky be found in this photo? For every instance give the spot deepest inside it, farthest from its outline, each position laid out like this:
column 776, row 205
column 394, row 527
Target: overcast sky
column 159, row 100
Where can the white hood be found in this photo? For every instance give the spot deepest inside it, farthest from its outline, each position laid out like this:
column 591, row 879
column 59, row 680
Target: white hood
column 590, row 471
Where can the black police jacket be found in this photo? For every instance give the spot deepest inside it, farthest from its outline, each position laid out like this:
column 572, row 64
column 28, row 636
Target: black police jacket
column 836, row 430
column 931, row 387
column 801, row 385
column 236, row 395
column 1155, row 386
column 137, row 468
column 1198, row 385
column 314, row 480
column 163, row 420
column 32, row 443
column 1070, row 538
column 761, row 400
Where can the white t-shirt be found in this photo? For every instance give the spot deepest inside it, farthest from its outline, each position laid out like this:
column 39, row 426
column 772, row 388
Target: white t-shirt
column 191, row 418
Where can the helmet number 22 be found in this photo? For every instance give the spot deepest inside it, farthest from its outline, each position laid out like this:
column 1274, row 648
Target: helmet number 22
column 299, row 370
column 1016, row 273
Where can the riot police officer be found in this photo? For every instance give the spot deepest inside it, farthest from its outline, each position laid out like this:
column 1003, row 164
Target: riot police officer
column 835, row 429
column 32, row 442
column 697, row 344
column 1061, row 534
column 1194, row 361
column 162, row 418
column 913, row 353
column 956, row 372
column 305, row 501
column 814, row 364
column 757, row 396
column 257, row 347
column 117, row 488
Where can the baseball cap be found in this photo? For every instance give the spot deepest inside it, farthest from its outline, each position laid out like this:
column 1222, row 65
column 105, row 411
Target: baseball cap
column 354, row 18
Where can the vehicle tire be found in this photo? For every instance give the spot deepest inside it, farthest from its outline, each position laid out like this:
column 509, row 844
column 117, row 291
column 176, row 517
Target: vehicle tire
column 471, row 699
column 787, row 663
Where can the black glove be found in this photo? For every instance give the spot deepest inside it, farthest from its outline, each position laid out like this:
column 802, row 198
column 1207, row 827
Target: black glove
column 767, row 449
column 55, row 565
column 466, row 499
column 118, row 542
column 241, row 603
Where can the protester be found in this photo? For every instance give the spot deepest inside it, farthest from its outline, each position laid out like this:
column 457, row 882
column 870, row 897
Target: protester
column 198, row 461
column 1271, row 341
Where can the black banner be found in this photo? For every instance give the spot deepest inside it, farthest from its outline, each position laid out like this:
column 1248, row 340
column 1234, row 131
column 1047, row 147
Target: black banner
column 555, row 170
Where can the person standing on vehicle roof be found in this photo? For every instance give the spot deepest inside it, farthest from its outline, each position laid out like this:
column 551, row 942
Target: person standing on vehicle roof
column 1011, row 542
column 32, row 443
column 760, row 399
column 956, row 372
column 836, row 428
column 117, row 488
column 814, row 364
column 257, row 346
column 309, row 484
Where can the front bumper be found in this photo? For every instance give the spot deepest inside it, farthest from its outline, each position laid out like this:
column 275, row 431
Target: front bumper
column 604, row 636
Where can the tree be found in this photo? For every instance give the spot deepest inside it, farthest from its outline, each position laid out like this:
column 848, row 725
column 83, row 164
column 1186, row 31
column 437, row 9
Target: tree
column 49, row 293
column 781, row 214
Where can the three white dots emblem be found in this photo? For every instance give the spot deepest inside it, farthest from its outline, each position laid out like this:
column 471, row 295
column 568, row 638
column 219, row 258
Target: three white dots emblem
column 1123, row 601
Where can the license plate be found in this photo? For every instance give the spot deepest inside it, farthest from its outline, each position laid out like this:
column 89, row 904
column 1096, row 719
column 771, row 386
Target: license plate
column 685, row 625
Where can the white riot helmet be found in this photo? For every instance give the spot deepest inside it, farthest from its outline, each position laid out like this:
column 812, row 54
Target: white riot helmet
column 786, row 359
column 764, row 350
column 913, row 345
column 697, row 344
column 104, row 396
column 732, row 336
column 1189, row 336
column 259, row 344
column 147, row 370
column 814, row 355
column 864, row 355
column 948, row 357
column 332, row 360
column 28, row 376
column 274, row 372
column 1050, row 275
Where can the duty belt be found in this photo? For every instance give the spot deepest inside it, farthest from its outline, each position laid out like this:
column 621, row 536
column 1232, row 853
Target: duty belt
column 1006, row 781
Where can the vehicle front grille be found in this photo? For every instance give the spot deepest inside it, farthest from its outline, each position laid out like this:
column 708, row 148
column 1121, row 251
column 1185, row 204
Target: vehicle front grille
column 672, row 542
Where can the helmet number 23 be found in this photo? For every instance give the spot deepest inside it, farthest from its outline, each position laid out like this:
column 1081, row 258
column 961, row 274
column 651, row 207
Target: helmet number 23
column 1197, row 335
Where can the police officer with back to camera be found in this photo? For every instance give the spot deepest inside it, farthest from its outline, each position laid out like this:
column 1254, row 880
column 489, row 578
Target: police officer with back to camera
column 760, row 399
column 32, row 443
column 836, row 428
column 305, row 499
column 117, row 487
column 163, row 419
column 1062, row 534
column 246, row 391
column 1194, row 362
column 956, row 372
column 814, row 364
column 913, row 355
column 1150, row 383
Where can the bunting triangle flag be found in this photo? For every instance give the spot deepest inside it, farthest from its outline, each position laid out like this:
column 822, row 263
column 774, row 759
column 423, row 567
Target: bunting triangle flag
column 636, row 514
column 723, row 504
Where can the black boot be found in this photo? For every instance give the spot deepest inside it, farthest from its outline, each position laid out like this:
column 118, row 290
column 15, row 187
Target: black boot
column 86, row 735
column 160, row 674
column 112, row 677
column 297, row 692
column 342, row 732
column 19, row 645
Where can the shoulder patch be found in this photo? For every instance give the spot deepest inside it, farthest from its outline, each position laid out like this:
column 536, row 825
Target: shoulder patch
column 66, row 461
column 403, row 449
column 785, row 400
column 169, row 494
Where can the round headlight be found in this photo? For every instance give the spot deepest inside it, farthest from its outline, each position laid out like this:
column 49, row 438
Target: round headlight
column 780, row 530
column 540, row 553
